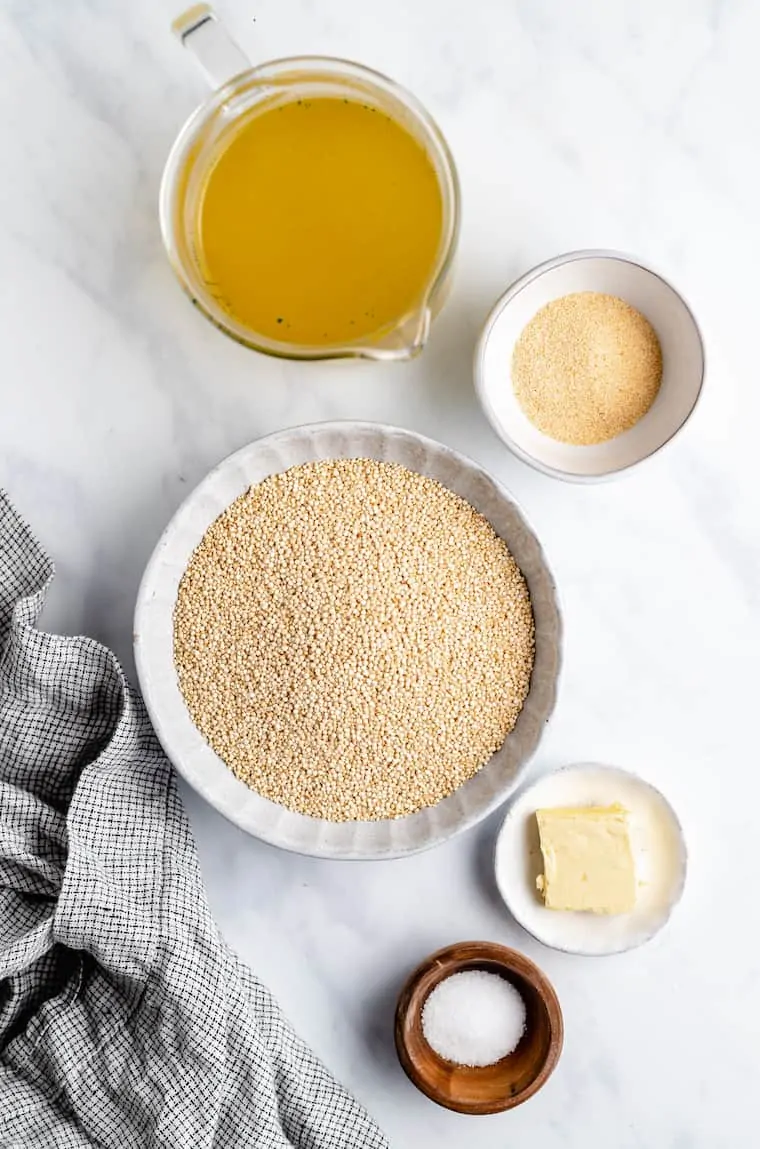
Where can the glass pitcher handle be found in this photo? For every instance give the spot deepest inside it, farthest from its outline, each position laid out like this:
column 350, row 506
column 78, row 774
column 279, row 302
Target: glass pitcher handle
column 214, row 49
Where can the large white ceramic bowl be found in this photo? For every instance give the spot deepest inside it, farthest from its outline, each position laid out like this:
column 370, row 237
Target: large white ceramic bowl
column 683, row 363
column 191, row 754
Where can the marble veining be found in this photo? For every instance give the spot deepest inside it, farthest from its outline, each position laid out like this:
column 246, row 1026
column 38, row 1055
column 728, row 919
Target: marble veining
column 627, row 125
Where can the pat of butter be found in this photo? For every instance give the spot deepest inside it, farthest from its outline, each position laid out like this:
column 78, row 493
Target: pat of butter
column 588, row 862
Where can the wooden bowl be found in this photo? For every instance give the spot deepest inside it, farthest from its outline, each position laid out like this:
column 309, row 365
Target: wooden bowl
column 507, row 1082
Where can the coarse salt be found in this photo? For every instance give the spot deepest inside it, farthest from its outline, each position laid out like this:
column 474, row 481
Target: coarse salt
column 473, row 1018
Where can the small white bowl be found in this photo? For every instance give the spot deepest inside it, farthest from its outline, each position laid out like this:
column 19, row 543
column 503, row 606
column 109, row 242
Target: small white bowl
column 659, row 851
column 612, row 274
column 183, row 742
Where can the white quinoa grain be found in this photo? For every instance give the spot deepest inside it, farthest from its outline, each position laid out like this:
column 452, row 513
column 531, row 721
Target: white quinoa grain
column 353, row 639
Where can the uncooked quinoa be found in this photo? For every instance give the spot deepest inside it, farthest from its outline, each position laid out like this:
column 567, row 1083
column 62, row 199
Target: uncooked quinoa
column 353, row 639
column 586, row 368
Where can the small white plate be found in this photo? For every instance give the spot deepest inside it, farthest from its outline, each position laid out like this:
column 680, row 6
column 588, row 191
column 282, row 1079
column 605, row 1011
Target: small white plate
column 683, row 363
column 658, row 847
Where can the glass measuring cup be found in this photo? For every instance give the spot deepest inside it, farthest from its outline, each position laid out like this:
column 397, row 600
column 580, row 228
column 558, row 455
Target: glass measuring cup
column 239, row 89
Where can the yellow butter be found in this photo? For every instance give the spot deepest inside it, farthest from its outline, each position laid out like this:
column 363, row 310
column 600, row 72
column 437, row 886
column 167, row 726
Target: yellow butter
column 588, row 861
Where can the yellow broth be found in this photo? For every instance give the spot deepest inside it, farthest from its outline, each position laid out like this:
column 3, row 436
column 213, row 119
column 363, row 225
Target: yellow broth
column 320, row 222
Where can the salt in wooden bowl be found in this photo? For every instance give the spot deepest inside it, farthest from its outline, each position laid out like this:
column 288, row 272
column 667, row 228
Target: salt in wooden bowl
column 491, row 1088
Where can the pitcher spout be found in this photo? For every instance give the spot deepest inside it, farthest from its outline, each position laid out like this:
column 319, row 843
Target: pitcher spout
column 405, row 341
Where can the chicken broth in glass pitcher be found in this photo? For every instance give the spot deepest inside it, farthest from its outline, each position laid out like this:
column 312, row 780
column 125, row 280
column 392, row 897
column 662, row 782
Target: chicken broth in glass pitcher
column 310, row 208
column 319, row 222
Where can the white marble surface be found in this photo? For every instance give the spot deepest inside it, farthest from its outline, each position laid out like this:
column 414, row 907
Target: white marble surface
column 617, row 123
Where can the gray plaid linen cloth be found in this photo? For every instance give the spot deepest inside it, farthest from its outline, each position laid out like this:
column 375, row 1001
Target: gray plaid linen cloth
column 124, row 1018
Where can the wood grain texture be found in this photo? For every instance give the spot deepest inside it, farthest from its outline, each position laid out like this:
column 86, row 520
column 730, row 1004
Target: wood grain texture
column 506, row 1083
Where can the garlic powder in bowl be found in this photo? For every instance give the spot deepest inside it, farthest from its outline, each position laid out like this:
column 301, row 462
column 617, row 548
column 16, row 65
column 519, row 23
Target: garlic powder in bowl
column 542, row 395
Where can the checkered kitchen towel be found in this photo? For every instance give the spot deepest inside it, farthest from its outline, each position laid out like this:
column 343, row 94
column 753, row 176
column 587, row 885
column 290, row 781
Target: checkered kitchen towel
column 124, row 1019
